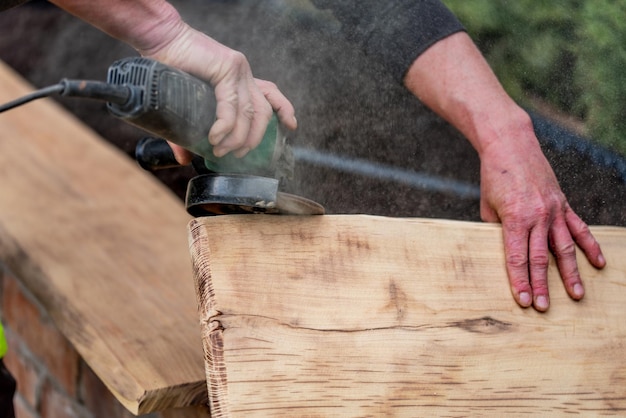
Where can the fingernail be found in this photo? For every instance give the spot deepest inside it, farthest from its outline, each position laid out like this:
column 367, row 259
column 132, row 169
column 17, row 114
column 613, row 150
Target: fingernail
column 541, row 303
column 601, row 259
column 524, row 299
column 579, row 291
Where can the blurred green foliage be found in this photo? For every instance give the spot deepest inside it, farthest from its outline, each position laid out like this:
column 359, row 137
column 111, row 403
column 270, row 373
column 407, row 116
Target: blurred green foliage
column 570, row 53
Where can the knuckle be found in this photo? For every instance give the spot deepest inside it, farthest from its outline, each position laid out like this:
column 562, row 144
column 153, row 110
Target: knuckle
column 518, row 221
column 516, row 260
column 540, row 287
column 541, row 213
column 574, row 222
column 566, row 250
column 540, row 260
column 571, row 276
column 595, row 247
column 269, row 85
column 520, row 283
column 248, row 111
column 583, row 228
column 262, row 112
column 237, row 58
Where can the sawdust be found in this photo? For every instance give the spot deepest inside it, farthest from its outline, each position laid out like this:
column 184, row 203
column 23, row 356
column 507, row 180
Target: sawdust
column 346, row 105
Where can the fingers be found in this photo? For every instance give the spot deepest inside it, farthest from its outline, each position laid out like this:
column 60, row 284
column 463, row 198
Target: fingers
column 583, row 237
column 519, row 189
column 516, row 259
column 564, row 250
column 487, row 213
column 240, row 113
column 527, row 248
column 256, row 130
column 244, row 108
column 279, row 102
column 240, row 122
column 527, row 261
column 539, row 260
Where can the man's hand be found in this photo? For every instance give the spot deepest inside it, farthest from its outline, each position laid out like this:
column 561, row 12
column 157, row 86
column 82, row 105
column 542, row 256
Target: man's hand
column 245, row 105
column 155, row 29
column 518, row 187
column 279, row 104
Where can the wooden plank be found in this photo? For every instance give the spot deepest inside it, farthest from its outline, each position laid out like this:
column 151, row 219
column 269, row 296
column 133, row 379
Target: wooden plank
column 104, row 248
column 370, row 316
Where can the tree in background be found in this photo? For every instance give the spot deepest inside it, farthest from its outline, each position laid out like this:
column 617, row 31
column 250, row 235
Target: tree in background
column 569, row 53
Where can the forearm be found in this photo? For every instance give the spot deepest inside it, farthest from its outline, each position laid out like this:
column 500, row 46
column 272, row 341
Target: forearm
column 518, row 187
column 455, row 81
column 155, row 29
column 146, row 25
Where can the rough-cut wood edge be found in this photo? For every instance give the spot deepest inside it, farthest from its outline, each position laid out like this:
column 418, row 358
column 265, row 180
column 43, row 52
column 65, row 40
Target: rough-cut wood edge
column 211, row 329
column 201, row 245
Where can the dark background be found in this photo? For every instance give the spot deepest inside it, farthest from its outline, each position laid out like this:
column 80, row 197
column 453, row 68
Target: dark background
column 346, row 104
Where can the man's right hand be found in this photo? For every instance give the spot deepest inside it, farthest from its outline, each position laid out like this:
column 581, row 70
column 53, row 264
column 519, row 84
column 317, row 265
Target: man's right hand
column 155, row 29
column 245, row 105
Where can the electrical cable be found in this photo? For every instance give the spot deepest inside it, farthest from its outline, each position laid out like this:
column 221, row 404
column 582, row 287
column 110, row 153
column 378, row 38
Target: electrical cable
column 38, row 94
column 98, row 90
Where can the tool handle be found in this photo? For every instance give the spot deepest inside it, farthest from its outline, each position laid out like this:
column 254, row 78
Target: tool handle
column 154, row 154
column 181, row 108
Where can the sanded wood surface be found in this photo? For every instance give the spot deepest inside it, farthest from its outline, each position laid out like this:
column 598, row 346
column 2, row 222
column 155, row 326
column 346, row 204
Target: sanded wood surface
column 103, row 246
column 370, row 316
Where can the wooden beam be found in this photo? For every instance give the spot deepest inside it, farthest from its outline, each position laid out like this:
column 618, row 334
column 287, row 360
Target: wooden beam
column 371, row 316
column 103, row 246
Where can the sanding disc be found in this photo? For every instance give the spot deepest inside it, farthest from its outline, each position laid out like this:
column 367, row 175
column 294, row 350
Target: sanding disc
column 221, row 194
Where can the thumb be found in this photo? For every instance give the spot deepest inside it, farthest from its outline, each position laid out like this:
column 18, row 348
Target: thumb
column 183, row 156
column 487, row 213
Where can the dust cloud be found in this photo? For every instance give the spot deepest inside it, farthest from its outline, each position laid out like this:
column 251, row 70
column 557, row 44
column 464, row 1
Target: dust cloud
column 347, row 107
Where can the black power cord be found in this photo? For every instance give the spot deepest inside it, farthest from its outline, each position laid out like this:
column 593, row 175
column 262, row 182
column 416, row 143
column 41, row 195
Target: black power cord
column 38, row 94
column 98, row 90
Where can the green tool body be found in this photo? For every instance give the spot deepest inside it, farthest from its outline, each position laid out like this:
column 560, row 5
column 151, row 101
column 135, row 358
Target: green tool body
column 180, row 108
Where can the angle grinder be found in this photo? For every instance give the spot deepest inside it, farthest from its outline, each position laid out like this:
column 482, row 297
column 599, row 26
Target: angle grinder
column 180, row 108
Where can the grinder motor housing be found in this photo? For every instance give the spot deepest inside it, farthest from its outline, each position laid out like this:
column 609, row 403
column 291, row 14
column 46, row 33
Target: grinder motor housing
column 180, row 108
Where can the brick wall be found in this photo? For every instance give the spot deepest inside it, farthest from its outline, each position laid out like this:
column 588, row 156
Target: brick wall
column 52, row 379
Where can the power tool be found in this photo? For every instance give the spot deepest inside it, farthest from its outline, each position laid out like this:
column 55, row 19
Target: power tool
column 177, row 107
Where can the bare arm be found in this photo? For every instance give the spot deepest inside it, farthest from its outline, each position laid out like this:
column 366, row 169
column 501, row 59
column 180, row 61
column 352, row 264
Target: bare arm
column 518, row 187
column 155, row 29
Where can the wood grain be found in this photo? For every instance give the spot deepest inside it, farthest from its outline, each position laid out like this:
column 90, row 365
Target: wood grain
column 103, row 247
column 370, row 316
